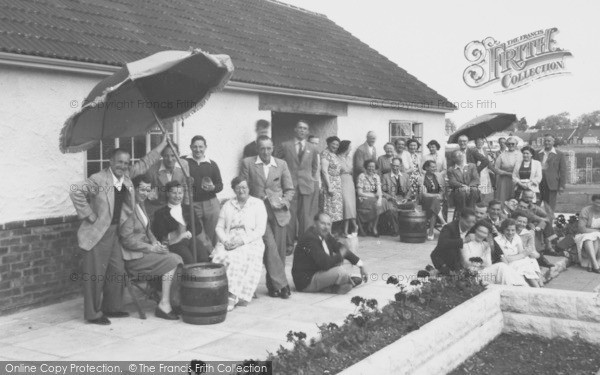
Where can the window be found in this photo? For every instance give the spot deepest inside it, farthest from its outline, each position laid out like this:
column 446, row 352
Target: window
column 405, row 130
column 99, row 155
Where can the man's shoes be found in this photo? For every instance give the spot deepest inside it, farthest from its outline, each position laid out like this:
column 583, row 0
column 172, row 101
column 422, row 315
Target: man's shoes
column 356, row 280
column 117, row 314
column 550, row 251
column 285, row 292
column 102, row 321
column 163, row 315
column 542, row 261
column 274, row 293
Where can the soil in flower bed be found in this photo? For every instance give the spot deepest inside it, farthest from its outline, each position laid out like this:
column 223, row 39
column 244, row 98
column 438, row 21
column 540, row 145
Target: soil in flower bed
column 371, row 329
column 527, row 354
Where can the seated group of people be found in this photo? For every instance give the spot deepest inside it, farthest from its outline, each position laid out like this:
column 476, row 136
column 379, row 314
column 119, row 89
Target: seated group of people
column 505, row 241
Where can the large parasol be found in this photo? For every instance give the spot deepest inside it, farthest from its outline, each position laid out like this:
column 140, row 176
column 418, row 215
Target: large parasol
column 159, row 89
column 483, row 126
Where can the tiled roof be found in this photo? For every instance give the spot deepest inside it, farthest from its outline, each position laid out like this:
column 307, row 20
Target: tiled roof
column 270, row 43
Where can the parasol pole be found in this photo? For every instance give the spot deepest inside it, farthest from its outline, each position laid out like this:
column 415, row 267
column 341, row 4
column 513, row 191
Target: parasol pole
column 188, row 180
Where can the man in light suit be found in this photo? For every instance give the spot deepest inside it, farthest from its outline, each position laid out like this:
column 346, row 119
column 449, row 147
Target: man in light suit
column 395, row 186
column 269, row 179
column 364, row 152
column 463, row 179
column 302, row 159
column 554, row 172
column 472, row 155
column 98, row 201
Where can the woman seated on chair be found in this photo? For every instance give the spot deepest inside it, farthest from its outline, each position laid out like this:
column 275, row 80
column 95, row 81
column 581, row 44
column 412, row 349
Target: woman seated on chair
column 370, row 198
column 146, row 258
column 240, row 229
column 172, row 226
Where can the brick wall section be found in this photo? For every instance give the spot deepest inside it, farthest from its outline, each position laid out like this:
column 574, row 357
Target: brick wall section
column 37, row 258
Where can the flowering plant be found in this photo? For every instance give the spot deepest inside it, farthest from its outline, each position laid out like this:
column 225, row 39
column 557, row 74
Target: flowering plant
column 564, row 228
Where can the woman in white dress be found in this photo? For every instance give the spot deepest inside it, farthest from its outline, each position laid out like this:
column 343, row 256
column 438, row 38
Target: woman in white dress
column 515, row 255
column 241, row 226
column 477, row 256
column 588, row 239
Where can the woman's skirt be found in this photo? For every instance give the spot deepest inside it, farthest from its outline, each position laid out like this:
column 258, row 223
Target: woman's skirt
column 152, row 265
column 580, row 238
column 243, row 266
column 368, row 210
column 504, row 188
column 431, row 205
column 348, row 196
column 333, row 204
column 526, row 267
column 501, row 273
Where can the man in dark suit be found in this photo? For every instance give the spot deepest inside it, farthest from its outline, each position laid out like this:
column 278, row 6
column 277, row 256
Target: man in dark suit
column 446, row 255
column 471, row 155
column 463, row 179
column 262, row 128
column 364, row 152
column 318, row 261
column 554, row 171
column 302, row 159
column 269, row 179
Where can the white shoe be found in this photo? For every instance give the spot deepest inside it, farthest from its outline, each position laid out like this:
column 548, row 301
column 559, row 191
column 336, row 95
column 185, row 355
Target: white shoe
column 431, row 238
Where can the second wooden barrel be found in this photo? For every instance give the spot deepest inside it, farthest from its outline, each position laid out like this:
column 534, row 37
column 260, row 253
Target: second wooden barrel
column 204, row 293
column 412, row 226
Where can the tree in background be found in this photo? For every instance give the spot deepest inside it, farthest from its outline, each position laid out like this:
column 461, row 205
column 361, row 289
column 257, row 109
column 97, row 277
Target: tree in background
column 588, row 120
column 522, row 125
column 450, row 126
column 553, row 122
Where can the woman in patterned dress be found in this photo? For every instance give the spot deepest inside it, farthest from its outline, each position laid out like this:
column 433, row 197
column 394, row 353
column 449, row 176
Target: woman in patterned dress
column 240, row 229
column 436, row 156
column 505, row 165
column 414, row 172
column 332, row 182
column 384, row 162
column 486, row 190
column 370, row 198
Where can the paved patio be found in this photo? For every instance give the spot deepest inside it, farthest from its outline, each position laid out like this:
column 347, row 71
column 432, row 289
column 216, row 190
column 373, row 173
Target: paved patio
column 58, row 332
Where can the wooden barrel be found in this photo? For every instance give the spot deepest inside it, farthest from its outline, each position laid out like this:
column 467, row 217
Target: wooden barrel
column 412, row 226
column 204, row 293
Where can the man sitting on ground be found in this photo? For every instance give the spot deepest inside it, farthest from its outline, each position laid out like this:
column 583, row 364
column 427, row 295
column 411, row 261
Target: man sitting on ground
column 447, row 254
column 318, row 259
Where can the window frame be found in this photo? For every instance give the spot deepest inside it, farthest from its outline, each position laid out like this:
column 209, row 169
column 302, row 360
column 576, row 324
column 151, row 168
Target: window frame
column 416, row 129
column 116, row 144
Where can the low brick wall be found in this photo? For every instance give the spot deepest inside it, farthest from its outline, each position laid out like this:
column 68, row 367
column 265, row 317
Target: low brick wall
column 37, row 258
column 552, row 313
column 442, row 344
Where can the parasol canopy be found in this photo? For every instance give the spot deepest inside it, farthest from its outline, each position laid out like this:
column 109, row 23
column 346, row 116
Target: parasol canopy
column 165, row 87
column 483, row 126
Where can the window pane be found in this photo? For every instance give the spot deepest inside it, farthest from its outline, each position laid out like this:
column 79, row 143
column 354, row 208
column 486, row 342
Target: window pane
column 125, row 143
column 139, row 146
column 94, row 153
column 107, row 148
column 93, row 167
column 155, row 139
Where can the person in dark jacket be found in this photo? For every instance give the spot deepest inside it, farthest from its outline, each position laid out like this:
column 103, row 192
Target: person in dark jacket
column 172, row 226
column 446, row 255
column 318, row 259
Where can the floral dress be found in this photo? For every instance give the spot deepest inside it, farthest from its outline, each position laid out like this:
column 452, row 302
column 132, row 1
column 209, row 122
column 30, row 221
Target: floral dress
column 368, row 210
column 414, row 180
column 333, row 204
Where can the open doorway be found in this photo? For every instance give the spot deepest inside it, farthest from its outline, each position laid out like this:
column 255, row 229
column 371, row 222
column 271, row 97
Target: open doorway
column 283, row 123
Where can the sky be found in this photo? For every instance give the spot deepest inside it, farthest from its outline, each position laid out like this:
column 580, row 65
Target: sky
column 428, row 40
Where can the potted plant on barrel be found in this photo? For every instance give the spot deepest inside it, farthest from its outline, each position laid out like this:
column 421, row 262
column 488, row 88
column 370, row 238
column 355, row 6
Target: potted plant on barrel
column 566, row 231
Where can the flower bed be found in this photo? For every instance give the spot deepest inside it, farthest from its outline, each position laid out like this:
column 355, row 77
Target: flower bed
column 528, row 354
column 370, row 329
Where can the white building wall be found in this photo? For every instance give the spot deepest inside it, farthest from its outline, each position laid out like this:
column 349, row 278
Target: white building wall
column 362, row 118
column 36, row 175
column 35, row 104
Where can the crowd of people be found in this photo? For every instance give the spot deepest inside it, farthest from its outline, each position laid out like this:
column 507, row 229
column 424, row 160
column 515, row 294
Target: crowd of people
column 139, row 219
